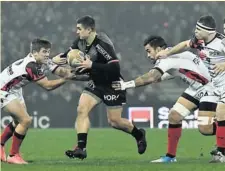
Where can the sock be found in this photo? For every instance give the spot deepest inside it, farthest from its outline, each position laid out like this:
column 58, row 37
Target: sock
column 174, row 134
column 82, row 140
column 17, row 140
column 220, row 137
column 136, row 133
column 7, row 133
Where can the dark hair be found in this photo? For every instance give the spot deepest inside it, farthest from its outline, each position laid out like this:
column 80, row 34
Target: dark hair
column 37, row 44
column 155, row 41
column 208, row 21
column 87, row 22
column 224, row 20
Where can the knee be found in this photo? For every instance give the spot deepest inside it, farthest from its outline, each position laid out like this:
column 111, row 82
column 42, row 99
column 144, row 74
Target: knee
column 26, row 121
column 82, row 111
column 207, row 130
column 174, row 117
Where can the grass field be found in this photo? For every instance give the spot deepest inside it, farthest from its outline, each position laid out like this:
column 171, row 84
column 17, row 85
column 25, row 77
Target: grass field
column 111, row 150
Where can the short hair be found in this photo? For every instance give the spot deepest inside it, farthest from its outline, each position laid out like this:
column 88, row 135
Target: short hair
column 208, row 21
column 87, row 22
column 155, row 41
column 37, row 44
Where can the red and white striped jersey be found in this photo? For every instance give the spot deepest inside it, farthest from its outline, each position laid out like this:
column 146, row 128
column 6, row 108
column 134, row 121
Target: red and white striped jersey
column 187, row 66
column 22, row 72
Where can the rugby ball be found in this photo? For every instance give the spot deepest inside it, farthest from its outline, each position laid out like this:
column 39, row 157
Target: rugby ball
column 75, row 57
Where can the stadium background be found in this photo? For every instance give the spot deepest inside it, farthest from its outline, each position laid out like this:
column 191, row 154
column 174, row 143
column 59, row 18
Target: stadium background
column 127, row 24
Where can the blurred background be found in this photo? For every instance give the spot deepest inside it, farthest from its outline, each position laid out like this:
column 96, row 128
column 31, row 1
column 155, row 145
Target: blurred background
column 127, row 24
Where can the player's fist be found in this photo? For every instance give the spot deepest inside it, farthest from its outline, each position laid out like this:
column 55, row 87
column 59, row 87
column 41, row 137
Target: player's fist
column 59, row 60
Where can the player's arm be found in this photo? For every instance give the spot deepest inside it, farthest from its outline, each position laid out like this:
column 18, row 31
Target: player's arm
column 51, row 84
column 174, row 50
column 34, row 73
column 67, row 73
column 220, row 67
column 154, row 75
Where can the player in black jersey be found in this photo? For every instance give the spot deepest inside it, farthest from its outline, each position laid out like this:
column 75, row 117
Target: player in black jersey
column 103, row 67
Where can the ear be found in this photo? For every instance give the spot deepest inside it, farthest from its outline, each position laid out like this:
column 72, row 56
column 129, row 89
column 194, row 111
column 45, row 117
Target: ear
column 158, row 49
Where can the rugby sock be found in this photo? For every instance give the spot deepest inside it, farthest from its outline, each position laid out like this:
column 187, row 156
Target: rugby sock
column 220, row 137
column 136, row 133
column 17, row 140
column 82, row 140
column 7, row 133
column 174, row 133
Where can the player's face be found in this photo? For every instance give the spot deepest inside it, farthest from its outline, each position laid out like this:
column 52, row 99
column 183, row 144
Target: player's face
column 151, row 52
column 82, row 32
column 42, row 56
column 201, row 34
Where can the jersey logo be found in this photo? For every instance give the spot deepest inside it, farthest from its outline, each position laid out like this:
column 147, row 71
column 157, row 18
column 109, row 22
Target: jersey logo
column 103, row 52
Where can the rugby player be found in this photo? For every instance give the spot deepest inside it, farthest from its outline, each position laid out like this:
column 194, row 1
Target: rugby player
column 103, row 67
column 32, row 68
column 199, row 94
column 211, row 49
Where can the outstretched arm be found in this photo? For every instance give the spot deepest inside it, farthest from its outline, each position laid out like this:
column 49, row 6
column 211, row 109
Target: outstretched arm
column 152, row 76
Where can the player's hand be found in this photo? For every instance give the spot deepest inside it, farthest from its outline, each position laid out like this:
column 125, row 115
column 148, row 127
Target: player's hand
column 118, row 85
column 70, row 75
column 162, row 54
column 58, row 60
column 218, row 68
column 85, row 64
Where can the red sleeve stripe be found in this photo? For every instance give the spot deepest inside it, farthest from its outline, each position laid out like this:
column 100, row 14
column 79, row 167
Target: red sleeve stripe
column 116, row 60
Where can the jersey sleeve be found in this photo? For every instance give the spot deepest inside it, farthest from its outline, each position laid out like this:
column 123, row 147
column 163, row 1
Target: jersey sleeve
column 34, row 71
column 164, row 65
column 107, row 51
column 51, row 66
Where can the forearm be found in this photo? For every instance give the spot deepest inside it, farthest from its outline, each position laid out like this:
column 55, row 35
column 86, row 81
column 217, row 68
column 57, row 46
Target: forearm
column 53, row 84
column 144, row 80
column 83, row 77
column 179, row 47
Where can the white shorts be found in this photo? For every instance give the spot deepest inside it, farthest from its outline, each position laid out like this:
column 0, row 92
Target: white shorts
column 220, row 92
column 12, row 96
column 203, row 94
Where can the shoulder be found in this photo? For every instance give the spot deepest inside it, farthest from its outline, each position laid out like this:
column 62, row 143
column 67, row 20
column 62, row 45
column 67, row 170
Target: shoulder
column 103, row 39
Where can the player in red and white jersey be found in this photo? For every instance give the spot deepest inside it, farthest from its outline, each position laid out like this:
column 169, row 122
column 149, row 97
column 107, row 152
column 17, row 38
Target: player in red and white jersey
column 211, row 49
column 12, row 80
column 199, row 94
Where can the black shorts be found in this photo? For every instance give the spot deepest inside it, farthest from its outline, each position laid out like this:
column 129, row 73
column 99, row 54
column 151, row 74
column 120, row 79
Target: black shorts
column 107, row 95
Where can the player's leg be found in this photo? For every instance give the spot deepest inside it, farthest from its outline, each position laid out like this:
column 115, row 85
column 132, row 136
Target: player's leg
column 116, row 121
column 18, row 111
column 219, row 154
column 206, row 115
column 181, row 109
column 10, row 128
column 87, row 101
